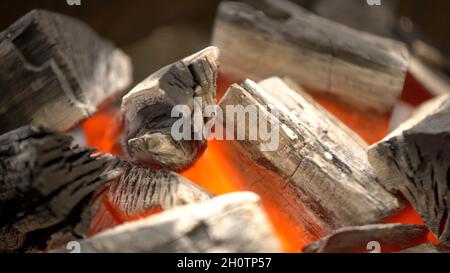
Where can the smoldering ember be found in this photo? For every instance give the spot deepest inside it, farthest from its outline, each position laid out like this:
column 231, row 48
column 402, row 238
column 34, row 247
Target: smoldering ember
column 292, row 130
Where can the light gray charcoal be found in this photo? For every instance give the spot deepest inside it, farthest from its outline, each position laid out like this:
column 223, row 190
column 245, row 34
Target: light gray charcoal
column 279, row 38
column 326, row 181
column 360, row 239
column 229, row 223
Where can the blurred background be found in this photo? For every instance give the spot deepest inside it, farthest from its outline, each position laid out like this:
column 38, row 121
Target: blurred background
column 155, row 33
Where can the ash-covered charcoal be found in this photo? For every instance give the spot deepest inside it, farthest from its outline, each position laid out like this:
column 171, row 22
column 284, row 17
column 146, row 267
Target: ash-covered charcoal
column 229, row 223
column 415, row 161
column 279, row 38
column 46, row 185
column 320, row 175
column 387, row 237
column 56, row 71
column 137, row 189
column 148, row 112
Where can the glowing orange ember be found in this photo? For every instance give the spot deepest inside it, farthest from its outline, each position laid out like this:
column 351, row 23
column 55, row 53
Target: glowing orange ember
column 220, row 172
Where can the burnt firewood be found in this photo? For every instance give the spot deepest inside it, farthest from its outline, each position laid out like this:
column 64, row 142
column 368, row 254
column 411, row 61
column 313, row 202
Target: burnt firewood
column 387, row 237
column 148, row 111
column 45, row 187
column 56, row 71
column 137, row 189
column 324, row 178
column 426, row 248
column 279, row 38
column 229, row 223
column 415, row 161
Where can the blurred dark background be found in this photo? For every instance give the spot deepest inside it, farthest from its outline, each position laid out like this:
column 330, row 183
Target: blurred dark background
column 156, row 33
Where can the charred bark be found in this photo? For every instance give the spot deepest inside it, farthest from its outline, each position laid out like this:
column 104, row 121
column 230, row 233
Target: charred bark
column 148, row 112
column 56, row 71
column 46, row 185
column 415, row 161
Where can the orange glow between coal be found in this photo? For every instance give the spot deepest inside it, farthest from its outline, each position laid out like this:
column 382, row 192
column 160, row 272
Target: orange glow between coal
column 218, row 174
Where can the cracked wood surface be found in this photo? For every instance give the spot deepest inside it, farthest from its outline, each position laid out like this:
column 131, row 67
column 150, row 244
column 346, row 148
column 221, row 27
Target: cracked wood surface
column 56, row 71
column 148, row 107
column 326, row 180
column 229, row 223
column 137, row 189
column 279, row 38
column 46, row 184
column 415, row 161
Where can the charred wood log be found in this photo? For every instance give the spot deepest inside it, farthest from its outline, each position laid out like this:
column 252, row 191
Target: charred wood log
column 415, row 161
column 148, row 111
column 137, row 189
column 56, row 71
column 46, row 185
column 279, row 38
column 324, row 178
column 426, row 248
column 229, row 223
column 388, row 237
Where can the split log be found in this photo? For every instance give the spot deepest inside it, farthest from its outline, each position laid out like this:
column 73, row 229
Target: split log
column 319, row 169
column 56, row 71
column 415, row 160
column 280, row 38
column 229, row 223
column 45, row 187
column 389, row 237
column 426, row 248
column 148, row 111
column 138, row 189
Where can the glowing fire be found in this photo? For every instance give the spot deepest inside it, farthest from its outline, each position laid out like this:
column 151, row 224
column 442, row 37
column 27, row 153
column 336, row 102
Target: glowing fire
column 219, row 175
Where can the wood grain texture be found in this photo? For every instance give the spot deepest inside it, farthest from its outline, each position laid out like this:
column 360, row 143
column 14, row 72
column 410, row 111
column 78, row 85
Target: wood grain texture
column 326, row 180
column 390, row 237
column 279, row 38
column 415, row 161
column 137, row 189
column 46, row 184
column 228, row 223
column 148, row 111
column 56, row 71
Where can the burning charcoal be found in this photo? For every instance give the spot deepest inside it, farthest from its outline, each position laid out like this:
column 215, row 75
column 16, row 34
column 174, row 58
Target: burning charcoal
column 426, row 248
column 318, row 168
column 229, row 223
column 415, row 160
column 389, row 237
column 56, row 71
column 137, row 189
column 282, row 39
column 45, row 187
column 148, row 111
